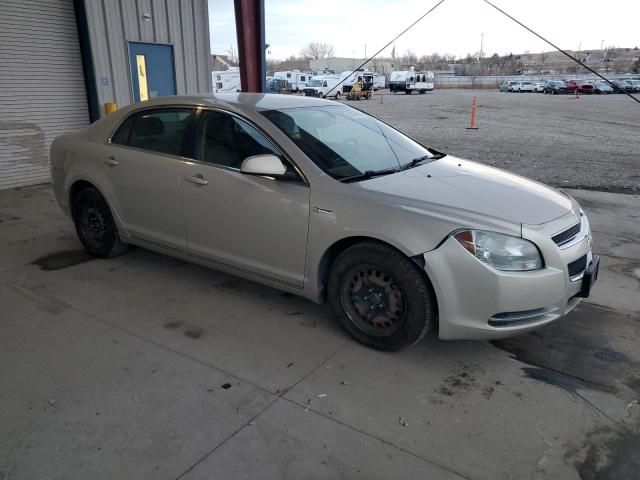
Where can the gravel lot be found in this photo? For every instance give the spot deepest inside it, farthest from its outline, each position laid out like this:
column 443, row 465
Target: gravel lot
column 592, row 142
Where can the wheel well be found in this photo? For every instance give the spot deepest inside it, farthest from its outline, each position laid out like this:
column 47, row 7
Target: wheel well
column 75, row 189
column 324, row 267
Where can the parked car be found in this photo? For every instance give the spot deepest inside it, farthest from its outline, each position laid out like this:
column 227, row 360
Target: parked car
column 318, row 199
column 524, row 86
column 555, row 87
column 538, row 87
column 506, row 85
column 623, row 86
column 579, row 86
column 635, row 84
column 602, row 88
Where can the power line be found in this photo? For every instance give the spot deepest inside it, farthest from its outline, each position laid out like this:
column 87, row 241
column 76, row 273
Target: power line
column 393, row 40
column 615, row 87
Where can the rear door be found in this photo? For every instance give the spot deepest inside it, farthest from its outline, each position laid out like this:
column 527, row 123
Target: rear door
column 143, row 167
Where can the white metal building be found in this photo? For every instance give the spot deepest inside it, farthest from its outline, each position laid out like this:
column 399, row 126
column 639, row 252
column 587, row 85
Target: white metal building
column 61, row 60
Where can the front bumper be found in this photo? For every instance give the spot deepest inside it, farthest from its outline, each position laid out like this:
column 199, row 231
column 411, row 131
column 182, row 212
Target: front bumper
column 478, row 302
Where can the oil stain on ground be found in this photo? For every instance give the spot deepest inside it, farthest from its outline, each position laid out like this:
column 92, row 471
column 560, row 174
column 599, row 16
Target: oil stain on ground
column 461, row 380
column 191, row 331
column 609, row 454
column 64, row 259
column 575, row 352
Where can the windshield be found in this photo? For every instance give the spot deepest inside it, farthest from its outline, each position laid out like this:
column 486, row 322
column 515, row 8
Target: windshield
column 315, row 83
column 346, row 142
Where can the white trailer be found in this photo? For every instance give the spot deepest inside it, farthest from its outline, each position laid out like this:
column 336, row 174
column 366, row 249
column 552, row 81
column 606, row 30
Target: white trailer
column 322, row 86
column 226, row 80
column 408, row 81
column 378, row 81
column 296, row 80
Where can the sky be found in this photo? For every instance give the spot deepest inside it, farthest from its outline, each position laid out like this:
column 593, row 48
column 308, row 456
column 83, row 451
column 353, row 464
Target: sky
column 455, row 27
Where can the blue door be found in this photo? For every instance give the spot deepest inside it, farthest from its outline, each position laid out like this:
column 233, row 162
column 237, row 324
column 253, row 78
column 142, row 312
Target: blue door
column 152, row 70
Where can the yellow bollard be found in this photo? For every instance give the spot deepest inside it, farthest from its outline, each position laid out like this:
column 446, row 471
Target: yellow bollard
column 110, row 107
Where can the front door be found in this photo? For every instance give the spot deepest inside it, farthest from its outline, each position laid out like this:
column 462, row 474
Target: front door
column 152, row 70
column 254, row 224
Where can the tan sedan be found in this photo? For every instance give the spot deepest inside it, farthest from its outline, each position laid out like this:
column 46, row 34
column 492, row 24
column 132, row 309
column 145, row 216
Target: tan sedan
column 319, row 199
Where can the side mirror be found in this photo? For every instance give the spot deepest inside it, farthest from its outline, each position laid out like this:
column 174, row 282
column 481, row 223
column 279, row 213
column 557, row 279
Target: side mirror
column 263, row 165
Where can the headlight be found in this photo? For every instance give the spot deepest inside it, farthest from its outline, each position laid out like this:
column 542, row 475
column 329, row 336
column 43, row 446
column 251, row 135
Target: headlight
column 502, row 252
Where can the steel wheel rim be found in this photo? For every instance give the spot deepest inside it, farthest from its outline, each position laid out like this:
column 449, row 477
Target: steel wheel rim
column 93, row 225
column 374, row 300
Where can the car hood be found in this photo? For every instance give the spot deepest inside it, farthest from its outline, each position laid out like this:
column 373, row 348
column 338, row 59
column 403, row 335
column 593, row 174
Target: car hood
column 472, row 189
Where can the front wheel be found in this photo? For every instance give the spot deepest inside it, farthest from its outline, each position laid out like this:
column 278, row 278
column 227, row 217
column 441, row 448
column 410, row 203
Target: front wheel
column 381, row 297
column 337, row 95
column 95, row 226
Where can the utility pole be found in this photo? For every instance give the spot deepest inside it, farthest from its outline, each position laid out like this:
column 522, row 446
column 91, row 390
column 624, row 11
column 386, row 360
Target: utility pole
column 481, row 47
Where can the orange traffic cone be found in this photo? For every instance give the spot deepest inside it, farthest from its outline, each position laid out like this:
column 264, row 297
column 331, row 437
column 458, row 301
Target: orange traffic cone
column 472, row 121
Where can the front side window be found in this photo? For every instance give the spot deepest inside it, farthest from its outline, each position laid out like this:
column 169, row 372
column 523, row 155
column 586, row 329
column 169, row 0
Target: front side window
column 344, row 141
column 226, row 140
column 160, row 130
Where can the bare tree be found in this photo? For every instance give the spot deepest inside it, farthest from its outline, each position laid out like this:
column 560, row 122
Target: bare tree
column 409, row 57
column 232, row 55
column 315, row 50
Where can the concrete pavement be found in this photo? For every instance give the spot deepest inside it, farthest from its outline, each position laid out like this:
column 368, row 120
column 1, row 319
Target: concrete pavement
column 144, row 366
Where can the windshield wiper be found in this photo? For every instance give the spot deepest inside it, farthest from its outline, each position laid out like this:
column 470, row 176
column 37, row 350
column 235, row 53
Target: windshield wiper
column 369, row 174
column 419, row 160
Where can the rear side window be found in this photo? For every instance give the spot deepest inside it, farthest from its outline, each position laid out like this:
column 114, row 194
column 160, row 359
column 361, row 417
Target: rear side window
column 162, row 130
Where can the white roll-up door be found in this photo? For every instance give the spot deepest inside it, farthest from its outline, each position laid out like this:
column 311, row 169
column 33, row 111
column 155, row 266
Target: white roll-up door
column 42, row 91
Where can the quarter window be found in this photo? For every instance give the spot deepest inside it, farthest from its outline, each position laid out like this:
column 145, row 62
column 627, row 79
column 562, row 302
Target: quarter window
column 226, row 140
column 161, row 130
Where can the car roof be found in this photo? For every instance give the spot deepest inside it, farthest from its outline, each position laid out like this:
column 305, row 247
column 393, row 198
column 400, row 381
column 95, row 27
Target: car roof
column 251, row 101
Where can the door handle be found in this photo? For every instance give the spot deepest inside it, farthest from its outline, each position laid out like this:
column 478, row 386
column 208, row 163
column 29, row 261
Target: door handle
column 197, row 179
column 111, row 161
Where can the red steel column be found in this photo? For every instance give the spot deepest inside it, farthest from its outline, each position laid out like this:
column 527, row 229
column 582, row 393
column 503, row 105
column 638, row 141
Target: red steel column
column 251, row 48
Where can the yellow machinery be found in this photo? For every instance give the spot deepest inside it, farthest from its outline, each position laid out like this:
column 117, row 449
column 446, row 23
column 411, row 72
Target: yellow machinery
column 359, row 91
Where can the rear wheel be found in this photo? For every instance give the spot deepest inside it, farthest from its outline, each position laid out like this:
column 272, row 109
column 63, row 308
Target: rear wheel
column 95, row 226
column 381, row 297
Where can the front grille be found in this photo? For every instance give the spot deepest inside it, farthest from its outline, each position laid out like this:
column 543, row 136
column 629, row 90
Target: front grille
column 564, row 237
column 577, row 266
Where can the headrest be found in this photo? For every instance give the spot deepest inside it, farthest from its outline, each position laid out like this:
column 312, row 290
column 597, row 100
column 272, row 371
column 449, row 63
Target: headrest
column 148, row 127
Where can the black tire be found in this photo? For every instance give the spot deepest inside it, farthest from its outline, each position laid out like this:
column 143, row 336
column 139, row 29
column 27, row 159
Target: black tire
column 337, row 95
column 381, row 297
column 95, row 226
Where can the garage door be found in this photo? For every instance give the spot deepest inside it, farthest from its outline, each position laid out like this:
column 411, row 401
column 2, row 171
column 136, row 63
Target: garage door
column 42, row 92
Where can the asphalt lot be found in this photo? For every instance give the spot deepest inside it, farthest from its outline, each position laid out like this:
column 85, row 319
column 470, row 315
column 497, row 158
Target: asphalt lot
column 592, row 142
column 147, row 367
